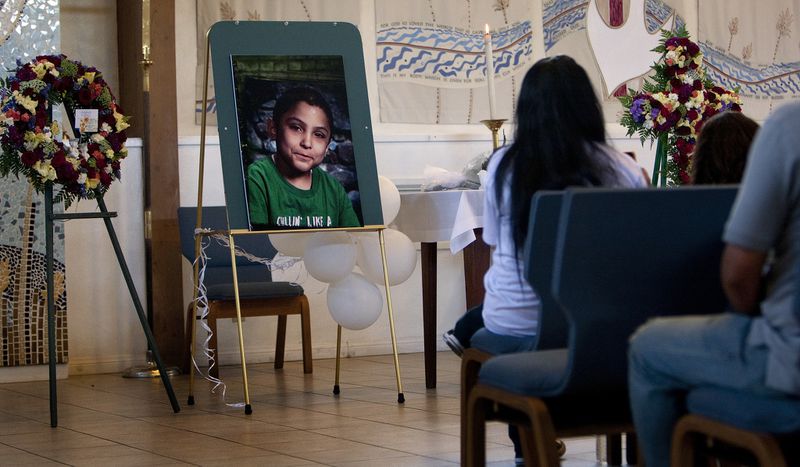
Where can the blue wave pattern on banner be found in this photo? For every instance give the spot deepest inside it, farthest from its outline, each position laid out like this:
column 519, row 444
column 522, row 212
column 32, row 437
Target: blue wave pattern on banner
column 780, row 79
column 448, row 54
column 656, row 12
column 561, row 18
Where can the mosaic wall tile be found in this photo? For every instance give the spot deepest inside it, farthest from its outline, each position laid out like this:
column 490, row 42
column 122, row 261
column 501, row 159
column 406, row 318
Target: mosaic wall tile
column 28, row 28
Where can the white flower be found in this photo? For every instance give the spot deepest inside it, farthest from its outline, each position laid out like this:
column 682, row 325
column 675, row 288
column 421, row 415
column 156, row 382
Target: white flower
column 45, row 170
column 27, row 102
column 120, row 124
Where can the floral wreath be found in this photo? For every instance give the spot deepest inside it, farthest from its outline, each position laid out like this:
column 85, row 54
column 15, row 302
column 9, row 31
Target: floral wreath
column 32, row 143
column 673, row 105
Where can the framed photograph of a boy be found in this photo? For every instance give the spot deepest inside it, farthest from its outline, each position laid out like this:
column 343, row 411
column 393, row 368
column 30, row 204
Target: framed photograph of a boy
column 296, row 149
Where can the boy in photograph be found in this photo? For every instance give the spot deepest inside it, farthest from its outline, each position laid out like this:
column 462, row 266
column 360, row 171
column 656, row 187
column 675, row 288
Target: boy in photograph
column 289, row 190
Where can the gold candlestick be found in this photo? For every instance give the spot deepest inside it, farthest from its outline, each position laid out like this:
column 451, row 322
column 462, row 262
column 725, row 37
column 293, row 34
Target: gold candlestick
column 494, row 125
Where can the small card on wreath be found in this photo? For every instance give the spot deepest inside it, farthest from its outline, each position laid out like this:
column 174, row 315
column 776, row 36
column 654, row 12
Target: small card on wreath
column 86, row 120
column 60, row 116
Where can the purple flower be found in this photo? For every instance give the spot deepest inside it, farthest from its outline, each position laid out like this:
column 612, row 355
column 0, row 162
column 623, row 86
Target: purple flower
column 654, row 113
column 638, row 110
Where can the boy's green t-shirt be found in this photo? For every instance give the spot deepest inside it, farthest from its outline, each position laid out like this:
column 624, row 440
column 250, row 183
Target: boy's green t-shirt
column 275, row 203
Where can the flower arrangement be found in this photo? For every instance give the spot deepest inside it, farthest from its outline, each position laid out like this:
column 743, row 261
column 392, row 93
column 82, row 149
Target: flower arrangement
column 32, row 143
column 673, row 104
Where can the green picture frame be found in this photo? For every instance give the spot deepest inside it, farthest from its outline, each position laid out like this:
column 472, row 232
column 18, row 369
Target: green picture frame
column 269, row 42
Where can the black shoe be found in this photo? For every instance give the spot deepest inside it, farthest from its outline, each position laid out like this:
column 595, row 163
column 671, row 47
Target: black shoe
column 452, row 341
column 561, row 448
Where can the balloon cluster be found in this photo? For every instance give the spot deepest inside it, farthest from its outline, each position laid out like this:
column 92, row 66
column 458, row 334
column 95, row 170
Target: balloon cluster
column 354, row 300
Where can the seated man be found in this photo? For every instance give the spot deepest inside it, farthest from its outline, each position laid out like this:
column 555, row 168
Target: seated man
column 755, row 347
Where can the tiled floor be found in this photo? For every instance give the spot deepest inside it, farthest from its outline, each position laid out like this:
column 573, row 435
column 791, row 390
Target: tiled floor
column 296, row 420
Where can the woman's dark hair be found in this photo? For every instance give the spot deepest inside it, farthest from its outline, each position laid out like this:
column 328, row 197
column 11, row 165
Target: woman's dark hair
column 558, row 121
column 721, row 150
column 306, row 94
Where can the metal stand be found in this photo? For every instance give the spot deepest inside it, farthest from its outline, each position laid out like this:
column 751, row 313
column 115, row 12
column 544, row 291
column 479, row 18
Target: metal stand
column 494, row 126
column 50, row 217
column 149, row 369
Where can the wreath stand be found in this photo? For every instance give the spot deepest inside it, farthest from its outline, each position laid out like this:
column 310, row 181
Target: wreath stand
column 231, row 234
column 104, row 214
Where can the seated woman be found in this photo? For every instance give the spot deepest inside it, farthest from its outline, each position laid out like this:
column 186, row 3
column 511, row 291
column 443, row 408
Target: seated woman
column 559, row 142
column 721, row 150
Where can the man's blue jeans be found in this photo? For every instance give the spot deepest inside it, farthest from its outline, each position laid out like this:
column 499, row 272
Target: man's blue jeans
column 668, row 356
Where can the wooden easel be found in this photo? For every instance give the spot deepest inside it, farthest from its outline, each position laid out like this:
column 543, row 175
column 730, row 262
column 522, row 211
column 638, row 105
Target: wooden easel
column 104, row 214
column 232, row 233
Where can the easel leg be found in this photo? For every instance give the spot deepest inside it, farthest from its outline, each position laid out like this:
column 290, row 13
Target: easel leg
column 400, row 397
column 199, row 223
column 151, row 341
column 248, row 409
column 338, row 358
column 51, row 308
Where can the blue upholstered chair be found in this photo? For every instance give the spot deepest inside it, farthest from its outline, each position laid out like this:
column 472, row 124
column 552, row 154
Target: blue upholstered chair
column 623, row 256
column 539, row 249
column 739, row 427
column 259, row 295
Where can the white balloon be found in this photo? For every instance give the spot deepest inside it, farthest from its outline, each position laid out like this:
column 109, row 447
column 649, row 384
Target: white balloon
column 390, row 199
column 401, row 256
column 289, row 244
column 330, row 256
column 354, row 302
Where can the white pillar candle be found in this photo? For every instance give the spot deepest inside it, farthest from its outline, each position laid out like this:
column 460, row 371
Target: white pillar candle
column 487, row 43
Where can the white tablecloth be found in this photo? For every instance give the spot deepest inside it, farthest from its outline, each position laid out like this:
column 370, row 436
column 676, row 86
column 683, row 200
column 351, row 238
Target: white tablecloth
column 435, row 216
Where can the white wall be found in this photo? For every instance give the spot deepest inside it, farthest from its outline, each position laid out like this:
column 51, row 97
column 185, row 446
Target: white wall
column 104, row 330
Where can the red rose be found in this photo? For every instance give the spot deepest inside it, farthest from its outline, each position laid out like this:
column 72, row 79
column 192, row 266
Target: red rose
column 41, row 118
column 29, row 158
column 54, row 59
column 681, row 160
column 85, row 96
column 107, row 118
column 105, row 178
column 100, row 163
column 684, row 146
column 26, row 73
column 66, row 173
column 64, row 84
column 59, row 159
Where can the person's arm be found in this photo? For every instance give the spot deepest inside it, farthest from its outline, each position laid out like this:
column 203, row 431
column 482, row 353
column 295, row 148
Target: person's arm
column 741, row 277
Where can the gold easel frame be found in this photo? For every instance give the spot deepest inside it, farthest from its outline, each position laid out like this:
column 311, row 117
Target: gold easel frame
column 234, row 232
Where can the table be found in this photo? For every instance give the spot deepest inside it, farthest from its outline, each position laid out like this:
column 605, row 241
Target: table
column 434, row 216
